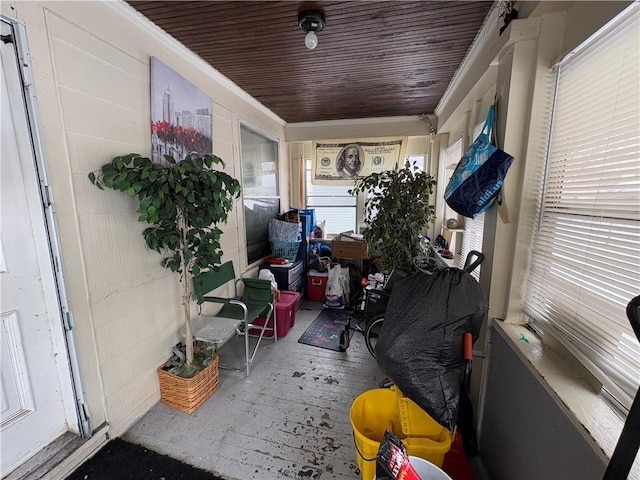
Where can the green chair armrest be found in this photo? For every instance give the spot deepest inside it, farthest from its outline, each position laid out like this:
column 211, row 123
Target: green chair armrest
column 216, row 299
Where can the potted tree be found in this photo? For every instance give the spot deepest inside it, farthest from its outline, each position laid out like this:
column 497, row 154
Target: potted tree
column 183, row 203
column 396, row 210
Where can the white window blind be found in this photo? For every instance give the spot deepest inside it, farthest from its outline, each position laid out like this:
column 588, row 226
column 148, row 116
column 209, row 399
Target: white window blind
column 473, row 227
column 585, row 263
column 332, row 203
column 472, row 240
column 452, row 155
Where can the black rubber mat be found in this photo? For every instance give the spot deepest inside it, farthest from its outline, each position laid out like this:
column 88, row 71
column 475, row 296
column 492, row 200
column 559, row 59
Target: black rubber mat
column 120, row 460
column 324, row 331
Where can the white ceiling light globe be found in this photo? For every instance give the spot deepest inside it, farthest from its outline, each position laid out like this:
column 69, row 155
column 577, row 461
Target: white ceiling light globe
column 311, row 40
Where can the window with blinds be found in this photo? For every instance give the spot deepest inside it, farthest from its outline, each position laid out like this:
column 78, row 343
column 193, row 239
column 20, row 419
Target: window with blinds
column 473, row 227
column 472, row 240
column 585, row 260
column 332, row 204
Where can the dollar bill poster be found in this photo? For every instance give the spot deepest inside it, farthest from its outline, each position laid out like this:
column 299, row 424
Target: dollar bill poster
column 341, row 162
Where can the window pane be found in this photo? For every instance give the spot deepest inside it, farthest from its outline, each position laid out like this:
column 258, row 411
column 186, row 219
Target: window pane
column 472, row 240
column 418, row 160
column 332, row 203
column 257, row 213
column 327, row 190
column 259, row 161
column 339, row 219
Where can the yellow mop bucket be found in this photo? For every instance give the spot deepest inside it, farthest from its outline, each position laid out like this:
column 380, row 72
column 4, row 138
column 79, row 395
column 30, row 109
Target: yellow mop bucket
column 378, row 410
column 414, row 421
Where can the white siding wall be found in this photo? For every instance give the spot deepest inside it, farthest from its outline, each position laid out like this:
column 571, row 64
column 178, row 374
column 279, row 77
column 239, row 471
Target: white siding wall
column 92, row 76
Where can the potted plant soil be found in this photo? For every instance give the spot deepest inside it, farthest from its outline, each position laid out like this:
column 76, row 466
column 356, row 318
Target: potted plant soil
column 183, row 203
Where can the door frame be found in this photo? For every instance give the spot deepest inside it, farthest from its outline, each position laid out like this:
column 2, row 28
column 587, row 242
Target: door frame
column 76, row 409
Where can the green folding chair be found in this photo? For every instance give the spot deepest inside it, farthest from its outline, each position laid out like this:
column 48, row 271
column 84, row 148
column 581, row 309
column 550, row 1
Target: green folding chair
column 239, row 314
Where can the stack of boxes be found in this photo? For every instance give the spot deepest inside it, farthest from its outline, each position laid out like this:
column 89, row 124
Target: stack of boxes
column 343, row 246
column 290, row 277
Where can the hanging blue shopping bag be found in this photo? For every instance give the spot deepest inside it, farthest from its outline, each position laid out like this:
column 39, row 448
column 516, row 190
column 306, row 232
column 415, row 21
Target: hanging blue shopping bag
column 479, row 176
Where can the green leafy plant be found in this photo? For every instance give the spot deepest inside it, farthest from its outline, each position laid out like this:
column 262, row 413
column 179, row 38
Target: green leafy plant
column 183, row 202
column 396, row 210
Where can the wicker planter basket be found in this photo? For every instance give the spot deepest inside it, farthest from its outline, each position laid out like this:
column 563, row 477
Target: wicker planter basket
column 188, row 394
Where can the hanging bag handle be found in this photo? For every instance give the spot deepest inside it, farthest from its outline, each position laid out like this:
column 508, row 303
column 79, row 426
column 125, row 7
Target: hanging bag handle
column 488, row 129
column 485, row 138
column 503, row 210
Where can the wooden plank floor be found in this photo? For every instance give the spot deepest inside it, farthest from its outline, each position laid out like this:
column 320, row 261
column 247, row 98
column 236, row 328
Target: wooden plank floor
column 288, row 419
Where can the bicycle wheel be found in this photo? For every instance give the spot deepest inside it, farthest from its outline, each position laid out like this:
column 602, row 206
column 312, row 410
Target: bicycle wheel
column 372, row 332
column 344, row 339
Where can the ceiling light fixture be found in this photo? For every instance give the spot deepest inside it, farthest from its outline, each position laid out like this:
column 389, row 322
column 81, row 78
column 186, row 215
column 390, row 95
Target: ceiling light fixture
column 311, row 21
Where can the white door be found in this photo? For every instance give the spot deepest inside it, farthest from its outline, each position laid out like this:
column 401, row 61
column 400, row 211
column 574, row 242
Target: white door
column 35, row 376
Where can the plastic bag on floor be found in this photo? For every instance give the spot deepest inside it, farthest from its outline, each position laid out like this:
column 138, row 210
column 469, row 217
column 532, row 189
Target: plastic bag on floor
column 337, row 290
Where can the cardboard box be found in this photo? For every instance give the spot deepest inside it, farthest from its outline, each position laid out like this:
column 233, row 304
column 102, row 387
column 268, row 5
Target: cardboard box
column 346, row 247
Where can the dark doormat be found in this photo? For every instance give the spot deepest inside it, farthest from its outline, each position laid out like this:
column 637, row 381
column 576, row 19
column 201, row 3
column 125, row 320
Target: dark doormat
column 120, row 460
column 324, row 331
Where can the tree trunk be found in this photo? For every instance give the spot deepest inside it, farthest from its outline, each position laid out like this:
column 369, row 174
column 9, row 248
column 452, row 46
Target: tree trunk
column 186, row 289
column 186, row 307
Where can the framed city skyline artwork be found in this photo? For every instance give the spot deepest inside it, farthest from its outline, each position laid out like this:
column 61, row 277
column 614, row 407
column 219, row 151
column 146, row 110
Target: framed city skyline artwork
column 181, row 115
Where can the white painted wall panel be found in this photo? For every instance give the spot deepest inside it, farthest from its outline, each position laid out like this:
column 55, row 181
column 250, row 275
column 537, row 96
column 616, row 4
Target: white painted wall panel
column 89, row 150
column 125, row 402
column 89, row 72
column 91, row 67
column 89, row 115
column 130, row 363
column 86, row 41
column 99, row 234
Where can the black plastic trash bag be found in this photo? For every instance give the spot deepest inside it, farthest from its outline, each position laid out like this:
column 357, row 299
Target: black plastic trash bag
column 420, row 346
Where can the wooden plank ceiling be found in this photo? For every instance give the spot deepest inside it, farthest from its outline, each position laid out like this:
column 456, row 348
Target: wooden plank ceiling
column 373, row 59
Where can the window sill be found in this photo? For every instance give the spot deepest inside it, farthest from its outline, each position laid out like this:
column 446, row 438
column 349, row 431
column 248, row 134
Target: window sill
column 587, row 409
column 447, row 262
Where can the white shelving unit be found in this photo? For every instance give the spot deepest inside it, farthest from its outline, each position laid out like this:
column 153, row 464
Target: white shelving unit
column 454, row 238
